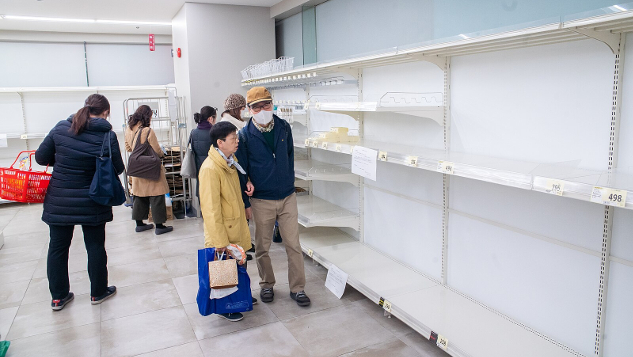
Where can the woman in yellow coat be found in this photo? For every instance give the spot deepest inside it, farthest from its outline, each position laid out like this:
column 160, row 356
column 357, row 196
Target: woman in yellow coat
column 221, row 197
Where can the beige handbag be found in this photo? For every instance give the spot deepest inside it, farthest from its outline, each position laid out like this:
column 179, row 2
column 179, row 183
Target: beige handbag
column 222, row 273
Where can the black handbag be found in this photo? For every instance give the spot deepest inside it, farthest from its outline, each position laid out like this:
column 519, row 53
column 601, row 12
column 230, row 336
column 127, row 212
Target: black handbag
column 106, row 188
column 144, row 162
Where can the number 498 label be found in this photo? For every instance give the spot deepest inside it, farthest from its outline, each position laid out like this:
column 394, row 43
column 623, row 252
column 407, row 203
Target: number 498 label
column 609, row 196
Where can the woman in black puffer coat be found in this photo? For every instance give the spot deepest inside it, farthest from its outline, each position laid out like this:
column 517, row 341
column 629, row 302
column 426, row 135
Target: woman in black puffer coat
column 71, row 148
column 200, row 139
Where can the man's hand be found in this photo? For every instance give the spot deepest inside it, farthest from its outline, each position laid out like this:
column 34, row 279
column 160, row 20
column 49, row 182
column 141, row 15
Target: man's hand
column 249, row 189
column 249, row 213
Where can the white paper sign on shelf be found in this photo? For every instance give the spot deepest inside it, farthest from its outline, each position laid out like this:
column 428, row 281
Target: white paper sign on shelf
column 24, row 136
column 411, row 161
column 336, row 281
column 445, row 167
column 364, row 162
column 3, row 141
column 442, row 342
column 554, row 187
column 608, row 196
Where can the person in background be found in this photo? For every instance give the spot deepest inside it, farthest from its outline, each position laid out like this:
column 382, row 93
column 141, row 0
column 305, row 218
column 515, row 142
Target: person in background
column 71, row 148
column 200, row 140
column 147, row 193
column 233, row 106
column 221, row 196
column 266, row 153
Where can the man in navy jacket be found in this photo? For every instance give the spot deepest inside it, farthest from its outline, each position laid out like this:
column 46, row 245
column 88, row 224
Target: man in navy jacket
column 266, row 153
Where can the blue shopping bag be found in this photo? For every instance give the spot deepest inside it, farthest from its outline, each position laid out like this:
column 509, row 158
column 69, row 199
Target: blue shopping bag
column 239, row 301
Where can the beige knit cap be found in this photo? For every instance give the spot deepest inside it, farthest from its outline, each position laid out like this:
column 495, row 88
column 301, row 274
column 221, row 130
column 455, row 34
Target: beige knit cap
column 234, row 101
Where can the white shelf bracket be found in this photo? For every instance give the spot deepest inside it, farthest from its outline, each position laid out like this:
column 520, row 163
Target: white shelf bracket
column 439, row 61
column 610, row 39
column 354, row 72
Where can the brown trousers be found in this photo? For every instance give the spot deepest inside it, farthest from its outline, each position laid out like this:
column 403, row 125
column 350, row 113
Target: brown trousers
column 265, row 213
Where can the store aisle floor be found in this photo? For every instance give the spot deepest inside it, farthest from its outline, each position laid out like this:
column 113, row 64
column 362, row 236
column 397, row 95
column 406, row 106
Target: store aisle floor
column 154, row 312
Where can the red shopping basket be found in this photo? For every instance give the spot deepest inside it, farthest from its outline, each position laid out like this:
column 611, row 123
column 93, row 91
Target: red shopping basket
column 23, row 186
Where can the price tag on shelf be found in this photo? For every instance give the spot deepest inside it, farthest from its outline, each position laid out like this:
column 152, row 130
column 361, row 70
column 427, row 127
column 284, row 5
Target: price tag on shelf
column 609, row 196
column 24, row 136
column 411, row 161
column 306, row 105
column 382, row 155
column 442, row 342
column 339, row 148
column 317, row 106
column 310, row 253
column 315, row 144
column 554, row 187
column 324, row 145
column 307, row 142
column 445, row 167
column 385, row 304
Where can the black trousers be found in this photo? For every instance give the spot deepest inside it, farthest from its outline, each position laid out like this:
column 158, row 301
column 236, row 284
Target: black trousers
column 57, row 264
column 141, row 206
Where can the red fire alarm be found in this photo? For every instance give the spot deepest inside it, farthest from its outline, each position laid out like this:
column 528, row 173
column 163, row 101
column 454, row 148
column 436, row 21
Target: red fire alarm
column 178, row 52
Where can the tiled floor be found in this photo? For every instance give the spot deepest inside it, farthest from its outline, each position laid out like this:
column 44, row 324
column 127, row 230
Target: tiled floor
column 155, row 313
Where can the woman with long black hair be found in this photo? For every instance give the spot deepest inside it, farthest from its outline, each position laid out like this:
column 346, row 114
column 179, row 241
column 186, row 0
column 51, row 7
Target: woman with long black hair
column 147, row 193
column 71, row 148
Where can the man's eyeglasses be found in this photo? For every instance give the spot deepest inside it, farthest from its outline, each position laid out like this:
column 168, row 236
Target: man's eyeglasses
column 256, row 108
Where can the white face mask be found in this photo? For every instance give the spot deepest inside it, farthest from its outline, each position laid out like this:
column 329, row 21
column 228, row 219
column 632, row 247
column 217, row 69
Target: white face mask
column 263, row 117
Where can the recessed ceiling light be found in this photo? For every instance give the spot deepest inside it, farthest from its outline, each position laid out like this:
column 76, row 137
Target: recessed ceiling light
column 59, row 19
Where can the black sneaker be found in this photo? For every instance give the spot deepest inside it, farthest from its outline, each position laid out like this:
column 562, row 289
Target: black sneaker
column 301, row 298
column 57, row 305
column 144, row 228
column 254, row 301
column 110, row 291
column 163, row 230
column 233, row 317
column 267, row 295
column 249, row 257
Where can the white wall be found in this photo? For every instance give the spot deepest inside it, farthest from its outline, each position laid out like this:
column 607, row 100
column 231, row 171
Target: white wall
column 181, row 65
column 30, row 64
column 42, row 65
column 223, row 40
column 129, row 65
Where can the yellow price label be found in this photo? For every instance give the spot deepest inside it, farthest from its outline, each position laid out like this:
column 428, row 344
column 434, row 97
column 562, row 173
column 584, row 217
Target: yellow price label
column 307, row 142
column 442, row 342
column 411, row 161
column 609, row 196
column 317, row 106
column 315, row 144
column 24, row 136
column 339, row 148
column 387, row 306
column 555, row 187
column 445, row 167
column 382, row 155
column 310, row 253
column 306, row 105
column 324, row 145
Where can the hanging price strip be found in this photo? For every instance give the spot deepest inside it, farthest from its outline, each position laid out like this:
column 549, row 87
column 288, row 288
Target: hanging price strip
column 554, row 187
column 382, row 155
column 339, row 148
column 411, row 161
column 609, row 196
column 445, row 167
column 442, row 342
column 324, row 145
